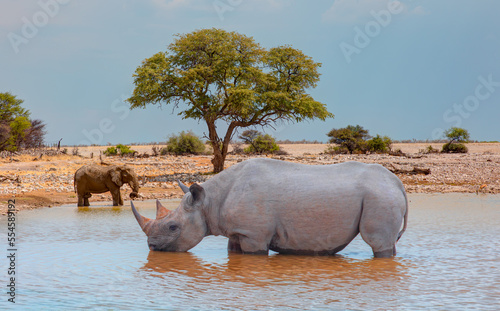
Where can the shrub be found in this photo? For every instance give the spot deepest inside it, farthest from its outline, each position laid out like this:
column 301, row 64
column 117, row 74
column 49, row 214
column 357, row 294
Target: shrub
column 237, row 149
column 355, row 139
column 379, row 144
column 122, row 149
column 111, row 151
column 331, row 149
column 259, row 143
column 430, row 149
column 352, row 138
column 454, row 148
column 184, row 143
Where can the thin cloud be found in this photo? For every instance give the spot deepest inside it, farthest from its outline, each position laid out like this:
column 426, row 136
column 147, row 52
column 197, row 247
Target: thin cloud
column 169, row 6
column 352, row 12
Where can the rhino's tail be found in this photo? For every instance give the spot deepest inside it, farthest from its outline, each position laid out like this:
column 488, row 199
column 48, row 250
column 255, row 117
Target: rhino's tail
column 405, row 222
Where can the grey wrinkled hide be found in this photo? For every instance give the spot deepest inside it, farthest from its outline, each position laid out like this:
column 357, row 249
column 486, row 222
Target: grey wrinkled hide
column 291, row 208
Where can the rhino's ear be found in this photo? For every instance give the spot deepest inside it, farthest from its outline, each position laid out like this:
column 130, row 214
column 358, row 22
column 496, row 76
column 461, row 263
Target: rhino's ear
column 197, row 197
column 184, row 188
column 161, row 211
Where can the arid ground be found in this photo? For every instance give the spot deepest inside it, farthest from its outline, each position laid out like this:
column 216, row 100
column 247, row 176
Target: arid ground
column 47, row 180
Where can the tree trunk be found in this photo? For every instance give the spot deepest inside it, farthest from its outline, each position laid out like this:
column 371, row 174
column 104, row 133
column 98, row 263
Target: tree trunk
column 218, row 162
column 219, row 146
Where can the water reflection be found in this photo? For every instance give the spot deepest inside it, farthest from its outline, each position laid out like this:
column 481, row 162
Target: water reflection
column 100, row 210
column 276, row 269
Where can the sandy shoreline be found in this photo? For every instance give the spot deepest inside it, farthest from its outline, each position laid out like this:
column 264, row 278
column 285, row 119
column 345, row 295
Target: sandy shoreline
column 48, row 181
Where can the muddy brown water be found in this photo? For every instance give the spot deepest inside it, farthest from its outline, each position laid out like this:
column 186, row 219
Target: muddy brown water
column 70, row 258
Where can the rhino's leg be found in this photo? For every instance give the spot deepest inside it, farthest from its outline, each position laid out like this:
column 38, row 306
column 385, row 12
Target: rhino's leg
column 380, row 223
column 253, row 246
column 233, row 245
column 385, row 254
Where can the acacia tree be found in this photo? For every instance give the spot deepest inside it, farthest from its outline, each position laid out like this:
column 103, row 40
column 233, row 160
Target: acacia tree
column 457, row 134
column 457, row 137
column 228, row 77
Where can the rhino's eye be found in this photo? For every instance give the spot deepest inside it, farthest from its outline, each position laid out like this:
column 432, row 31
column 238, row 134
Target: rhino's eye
column 173, row 227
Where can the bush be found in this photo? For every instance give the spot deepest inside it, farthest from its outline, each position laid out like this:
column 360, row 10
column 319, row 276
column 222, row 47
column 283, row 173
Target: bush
column 429, row 149
column 332, row 149
column 379, row 144
column 454, row 148
column 111, row 151
column 352, row 138
column 121, row 149
column 184, row 143
column 262, row 144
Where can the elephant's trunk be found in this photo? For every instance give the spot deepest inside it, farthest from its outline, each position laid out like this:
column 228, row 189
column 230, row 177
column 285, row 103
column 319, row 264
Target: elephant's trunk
column 134, row 185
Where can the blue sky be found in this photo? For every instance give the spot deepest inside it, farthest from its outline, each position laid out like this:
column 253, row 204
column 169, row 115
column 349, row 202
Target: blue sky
column 404, row 69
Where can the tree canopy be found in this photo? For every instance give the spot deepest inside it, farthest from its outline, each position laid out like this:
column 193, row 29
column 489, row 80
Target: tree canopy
column 226, row 76
column 457, row 134
column 16, row 128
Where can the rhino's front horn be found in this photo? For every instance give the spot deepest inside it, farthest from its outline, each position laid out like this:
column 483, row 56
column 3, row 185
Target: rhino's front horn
column 144, row 222
column 184, row 188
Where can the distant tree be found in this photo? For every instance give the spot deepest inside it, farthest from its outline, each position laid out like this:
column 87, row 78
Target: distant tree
column 457, row 137
column 227, row 77
column 457, row 134
column 249, row 136
column 4, row 135
column 10, row 108
column 35, row 134
column 351, row 138
column 16, row 129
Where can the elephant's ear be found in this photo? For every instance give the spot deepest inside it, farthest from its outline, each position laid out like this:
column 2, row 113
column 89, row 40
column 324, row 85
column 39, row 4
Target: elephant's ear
column 116, row 176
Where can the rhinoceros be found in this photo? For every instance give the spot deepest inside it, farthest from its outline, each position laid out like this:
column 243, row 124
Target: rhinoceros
column 290, row 208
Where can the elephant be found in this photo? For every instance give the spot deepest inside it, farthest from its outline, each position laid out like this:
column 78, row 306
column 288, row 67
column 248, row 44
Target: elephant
column 98, row 179
column 289, row 208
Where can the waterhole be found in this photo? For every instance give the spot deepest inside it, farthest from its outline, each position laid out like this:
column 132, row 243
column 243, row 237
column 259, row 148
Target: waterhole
column 97, row 257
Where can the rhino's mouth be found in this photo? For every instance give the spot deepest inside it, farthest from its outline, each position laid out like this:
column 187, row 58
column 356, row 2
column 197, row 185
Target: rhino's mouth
column 156, row 248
